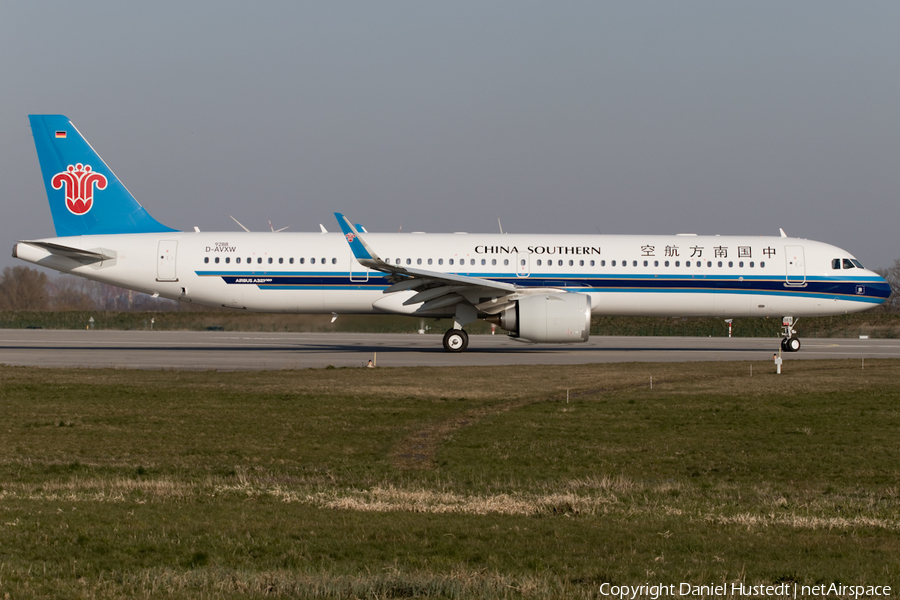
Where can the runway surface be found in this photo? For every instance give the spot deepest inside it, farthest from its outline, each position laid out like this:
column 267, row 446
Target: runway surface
column 238, row 351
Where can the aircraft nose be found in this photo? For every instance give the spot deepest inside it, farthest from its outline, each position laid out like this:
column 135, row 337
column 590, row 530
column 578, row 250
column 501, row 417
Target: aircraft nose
column 880, row 288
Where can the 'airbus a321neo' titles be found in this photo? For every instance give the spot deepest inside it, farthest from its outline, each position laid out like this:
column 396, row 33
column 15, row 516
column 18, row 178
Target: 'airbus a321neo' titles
column 539, row 288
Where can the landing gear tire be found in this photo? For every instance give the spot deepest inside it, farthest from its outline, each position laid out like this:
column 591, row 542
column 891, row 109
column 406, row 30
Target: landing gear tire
column 456, row 340
column 791, row 344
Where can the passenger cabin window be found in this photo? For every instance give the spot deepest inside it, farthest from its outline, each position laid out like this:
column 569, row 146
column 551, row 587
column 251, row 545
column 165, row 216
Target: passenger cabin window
column 206, row 259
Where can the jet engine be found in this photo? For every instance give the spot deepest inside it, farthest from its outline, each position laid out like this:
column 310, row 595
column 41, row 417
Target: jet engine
column 552, row 318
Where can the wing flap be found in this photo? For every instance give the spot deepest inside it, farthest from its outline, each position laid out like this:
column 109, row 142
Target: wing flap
column 431, row 294
column 442, row 302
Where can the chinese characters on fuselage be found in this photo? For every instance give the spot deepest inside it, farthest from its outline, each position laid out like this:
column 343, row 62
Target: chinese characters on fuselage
column 697, row 251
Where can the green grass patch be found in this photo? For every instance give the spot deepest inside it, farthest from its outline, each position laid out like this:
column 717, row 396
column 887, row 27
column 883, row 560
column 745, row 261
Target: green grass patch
column 447, row 482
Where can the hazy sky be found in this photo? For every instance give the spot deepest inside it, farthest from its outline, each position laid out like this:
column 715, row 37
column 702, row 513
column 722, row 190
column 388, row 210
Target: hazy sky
column 627, row 117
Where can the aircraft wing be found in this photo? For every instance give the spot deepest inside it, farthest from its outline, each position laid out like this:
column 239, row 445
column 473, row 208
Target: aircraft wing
column 434, row 289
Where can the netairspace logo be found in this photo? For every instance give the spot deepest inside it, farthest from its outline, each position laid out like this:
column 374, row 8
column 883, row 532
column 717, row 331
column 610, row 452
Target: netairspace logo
column 738, row 590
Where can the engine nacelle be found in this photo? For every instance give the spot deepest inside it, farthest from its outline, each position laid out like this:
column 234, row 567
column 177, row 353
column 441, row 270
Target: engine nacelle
column 551, row 318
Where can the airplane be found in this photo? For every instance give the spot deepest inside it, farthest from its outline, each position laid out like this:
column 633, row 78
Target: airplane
column 539, row 288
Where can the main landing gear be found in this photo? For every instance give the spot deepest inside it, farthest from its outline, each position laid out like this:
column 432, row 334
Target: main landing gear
column 456, row 340
column 789, row 342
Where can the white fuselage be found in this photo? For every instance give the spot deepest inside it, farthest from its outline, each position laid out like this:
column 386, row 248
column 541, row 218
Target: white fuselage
column 684, row 275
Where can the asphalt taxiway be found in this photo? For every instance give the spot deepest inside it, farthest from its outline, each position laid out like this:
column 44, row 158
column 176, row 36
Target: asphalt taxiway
column 237, row 351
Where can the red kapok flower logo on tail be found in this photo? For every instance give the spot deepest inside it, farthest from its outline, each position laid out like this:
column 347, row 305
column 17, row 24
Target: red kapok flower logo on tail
column 79, row 181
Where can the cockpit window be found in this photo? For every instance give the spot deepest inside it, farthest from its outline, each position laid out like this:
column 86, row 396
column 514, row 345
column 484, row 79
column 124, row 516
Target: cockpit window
column 857, row 263
column 835, row 263
column 848, row 264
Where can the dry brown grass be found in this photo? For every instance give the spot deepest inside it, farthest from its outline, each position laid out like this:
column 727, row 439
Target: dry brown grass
column 605, row 495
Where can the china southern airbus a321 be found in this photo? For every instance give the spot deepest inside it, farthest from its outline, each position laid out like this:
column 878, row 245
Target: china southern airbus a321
column 539, row 288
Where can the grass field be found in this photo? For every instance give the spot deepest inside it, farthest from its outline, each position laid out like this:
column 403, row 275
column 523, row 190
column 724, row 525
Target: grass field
column 447, row 483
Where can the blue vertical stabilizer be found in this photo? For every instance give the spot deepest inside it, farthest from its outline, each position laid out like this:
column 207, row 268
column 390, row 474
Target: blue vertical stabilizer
column 86, row 197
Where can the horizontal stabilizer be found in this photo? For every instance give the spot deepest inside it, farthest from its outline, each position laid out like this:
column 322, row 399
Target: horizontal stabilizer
column 82, row 256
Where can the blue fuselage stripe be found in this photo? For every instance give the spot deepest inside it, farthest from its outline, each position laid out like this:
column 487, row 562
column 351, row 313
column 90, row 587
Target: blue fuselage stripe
column 862, row 289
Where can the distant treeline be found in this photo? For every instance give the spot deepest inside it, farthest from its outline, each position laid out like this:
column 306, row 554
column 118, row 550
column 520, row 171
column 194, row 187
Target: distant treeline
column 29, row 299
column 24, row 288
